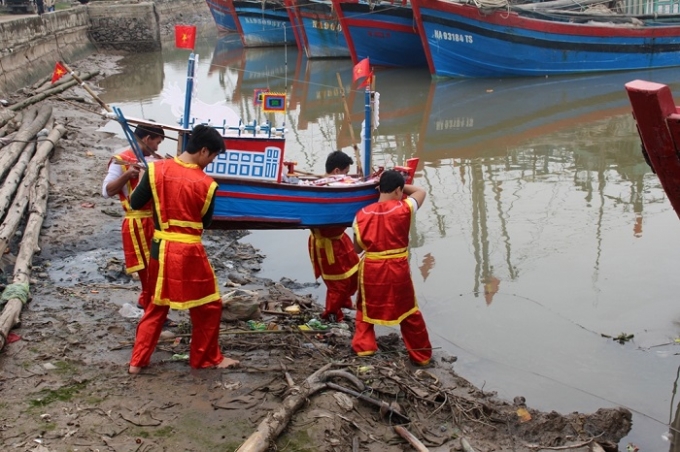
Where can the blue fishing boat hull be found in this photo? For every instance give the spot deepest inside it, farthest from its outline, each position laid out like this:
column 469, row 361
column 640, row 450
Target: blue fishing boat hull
column 263, row 24
column 385, row 33
column 263, row 205
column 223, row 13
column 322, row 29
column 462, row 41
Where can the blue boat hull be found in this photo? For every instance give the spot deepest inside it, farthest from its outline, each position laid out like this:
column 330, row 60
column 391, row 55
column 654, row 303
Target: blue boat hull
column 263, row 205
column 263, row 26
column 386, row 34
column 323, row 31
column 222, row 12
column 460, row 41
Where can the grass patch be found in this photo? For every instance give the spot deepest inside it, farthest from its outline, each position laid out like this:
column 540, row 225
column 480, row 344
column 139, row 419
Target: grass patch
column 63, row 394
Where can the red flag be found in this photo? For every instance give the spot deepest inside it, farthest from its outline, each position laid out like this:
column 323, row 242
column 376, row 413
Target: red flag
column 361, row 69
column 185, row 36
column 59, row 71
column 366, row 82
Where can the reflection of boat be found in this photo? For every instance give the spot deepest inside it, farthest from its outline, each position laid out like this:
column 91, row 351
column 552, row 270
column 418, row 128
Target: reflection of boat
column 470, row 117
column 223, row 13
column 317, row 92
column 658, row 122
column 385, row 32
column 400, row 115
column 263, row 23
column 462, row 40
column 317, row 29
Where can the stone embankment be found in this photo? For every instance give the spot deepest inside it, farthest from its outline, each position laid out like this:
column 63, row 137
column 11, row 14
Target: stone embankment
column 29, row 46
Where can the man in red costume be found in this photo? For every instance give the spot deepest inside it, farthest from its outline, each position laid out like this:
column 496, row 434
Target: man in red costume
column 386, row 293
column 332, row 253
column 183, row 202
column 137, row 229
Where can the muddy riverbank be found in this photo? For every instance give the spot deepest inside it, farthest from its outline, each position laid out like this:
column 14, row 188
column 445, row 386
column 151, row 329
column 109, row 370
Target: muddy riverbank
column 64, row 381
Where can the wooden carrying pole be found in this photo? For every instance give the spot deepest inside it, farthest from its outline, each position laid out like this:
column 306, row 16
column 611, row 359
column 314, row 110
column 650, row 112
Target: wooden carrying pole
column 87, row 88
column 348, row 117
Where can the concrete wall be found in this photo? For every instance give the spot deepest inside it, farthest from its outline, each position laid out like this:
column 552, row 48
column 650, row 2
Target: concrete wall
column 30, row 46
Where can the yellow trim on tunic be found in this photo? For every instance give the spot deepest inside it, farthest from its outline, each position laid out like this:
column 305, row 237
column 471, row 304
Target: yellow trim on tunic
column 184, row 164
column 154, row 191
column 157, row 300
column 326, row 243
column 357, row 236
column 176, row 237
column 208, row 199
column 388, row 254
column 185, row 224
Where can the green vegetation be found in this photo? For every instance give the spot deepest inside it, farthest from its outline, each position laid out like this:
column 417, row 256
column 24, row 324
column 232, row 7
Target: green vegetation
column 63, row 394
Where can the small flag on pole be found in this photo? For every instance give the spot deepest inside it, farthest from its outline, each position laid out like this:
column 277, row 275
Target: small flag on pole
column 59, row 71
column 258, row 95
column 185, row 36
column 273, row 103
column 361, row 70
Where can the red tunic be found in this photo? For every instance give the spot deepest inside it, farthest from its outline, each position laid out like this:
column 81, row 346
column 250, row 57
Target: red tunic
column 137, row 229
column 334, row 259
column 182, row 194
column 385, row 288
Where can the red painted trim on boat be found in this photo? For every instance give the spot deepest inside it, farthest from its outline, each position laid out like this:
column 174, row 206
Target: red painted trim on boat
column 302, row 199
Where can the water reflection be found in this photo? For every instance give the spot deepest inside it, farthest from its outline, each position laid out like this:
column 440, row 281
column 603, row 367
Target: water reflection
column 143, row 82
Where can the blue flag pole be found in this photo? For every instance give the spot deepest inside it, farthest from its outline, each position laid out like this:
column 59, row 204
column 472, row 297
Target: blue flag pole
column 367, row 134
column 188, row 96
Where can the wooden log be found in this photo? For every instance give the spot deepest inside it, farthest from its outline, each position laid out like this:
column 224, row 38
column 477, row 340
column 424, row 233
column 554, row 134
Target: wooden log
column 12, row 180
column 6, row 139
column 5, row 116
column 16, row 210
column 29, row 245
column 28, row 130
column 45, row 94
column 412, row 440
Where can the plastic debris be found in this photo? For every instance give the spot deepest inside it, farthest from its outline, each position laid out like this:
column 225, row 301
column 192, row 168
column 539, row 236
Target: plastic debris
column 180, row 357
column 256, row 326
column 130, row 312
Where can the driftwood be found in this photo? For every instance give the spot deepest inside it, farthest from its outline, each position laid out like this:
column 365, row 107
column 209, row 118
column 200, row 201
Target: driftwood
column 274, row 423
column 385, row 407
column 6, row 139
column 45, row 94
column 28, row 130
column 16, row 210
column 412, row 440
column 29, row 245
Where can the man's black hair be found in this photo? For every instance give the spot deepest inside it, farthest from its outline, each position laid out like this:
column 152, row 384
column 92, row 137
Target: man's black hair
column 390, row 180
column 205, row 137
column 339, row 160
column 146, row 130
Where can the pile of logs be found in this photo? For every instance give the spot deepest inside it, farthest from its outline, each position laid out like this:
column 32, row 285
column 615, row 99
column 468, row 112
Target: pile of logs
column 27, row 138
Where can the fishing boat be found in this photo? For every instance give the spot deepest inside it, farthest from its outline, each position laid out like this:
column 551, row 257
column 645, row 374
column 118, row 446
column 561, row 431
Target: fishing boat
column 383, row 31
column 658, row 123
column 542, row 39
column 317, row 29
column 259, row 189
column 223, row 13
column 262, row 23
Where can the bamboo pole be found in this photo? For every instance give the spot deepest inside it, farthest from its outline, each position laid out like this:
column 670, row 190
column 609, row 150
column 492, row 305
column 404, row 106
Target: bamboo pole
column 29, row 245
column 348, row 117
column 87, row 88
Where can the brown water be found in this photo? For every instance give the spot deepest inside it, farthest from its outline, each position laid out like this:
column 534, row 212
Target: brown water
column 543, row 230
